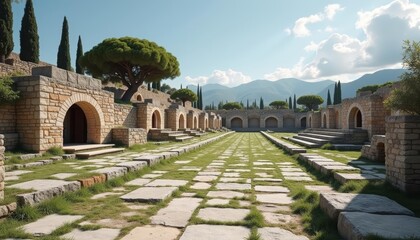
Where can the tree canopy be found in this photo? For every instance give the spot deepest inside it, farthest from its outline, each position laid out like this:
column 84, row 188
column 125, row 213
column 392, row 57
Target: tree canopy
column 7, row 94
column 29, row 39
column 130, row 61
column 232, row 105
column 407, row 97
column 279, row 104
column 184, row 95
column 79, row 54
column 311, row 102
column 63, row 55
column 6, row 29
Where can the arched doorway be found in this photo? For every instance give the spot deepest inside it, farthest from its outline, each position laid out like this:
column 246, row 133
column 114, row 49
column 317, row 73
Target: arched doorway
column 195, row 125
column 156, row 119
column 181, row 121
column 253, row 122
column 337, row 119
column 355, row 118
column 139, row 98
column 75, row 125
column 324, row 121
column 310, row 122
column 236, row 123
column 380, row 150
column 303, row 122
column 288, row 122
column 271, row 122
column 206, row 124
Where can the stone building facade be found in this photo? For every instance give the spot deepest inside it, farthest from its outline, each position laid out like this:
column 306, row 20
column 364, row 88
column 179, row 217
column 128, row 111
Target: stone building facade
column 57, row 107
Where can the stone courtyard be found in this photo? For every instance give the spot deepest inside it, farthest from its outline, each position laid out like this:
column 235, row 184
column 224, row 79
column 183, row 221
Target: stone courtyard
column 238, row 186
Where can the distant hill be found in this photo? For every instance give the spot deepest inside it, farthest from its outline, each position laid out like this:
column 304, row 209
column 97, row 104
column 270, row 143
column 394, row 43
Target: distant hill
column 283, row 88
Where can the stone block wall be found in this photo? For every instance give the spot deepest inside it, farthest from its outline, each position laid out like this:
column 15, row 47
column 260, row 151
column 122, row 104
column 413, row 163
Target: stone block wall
column 313, row 120
column 402, row 146
column 125, row 115
column 15, row 65
column 129, row 136
column 8, row 119
column 2, row 169
column 11, row 141
column 376, row 150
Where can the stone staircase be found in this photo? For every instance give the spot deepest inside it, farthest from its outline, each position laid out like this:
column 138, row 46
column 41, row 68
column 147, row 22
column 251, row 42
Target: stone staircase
column 168, row 135
column 193, row 132
column 85, row 151
column 341, row 139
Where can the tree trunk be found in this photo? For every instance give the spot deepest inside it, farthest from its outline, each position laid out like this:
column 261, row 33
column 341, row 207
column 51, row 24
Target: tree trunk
column 129, row 93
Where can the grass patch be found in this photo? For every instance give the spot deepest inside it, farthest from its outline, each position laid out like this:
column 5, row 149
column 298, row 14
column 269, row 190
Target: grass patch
column 54, row 205
column 26, row 213
column 328, row 146
column 55, row 151
column 254, row 219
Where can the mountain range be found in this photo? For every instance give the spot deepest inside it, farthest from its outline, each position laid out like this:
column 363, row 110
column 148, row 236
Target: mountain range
column 284, row 88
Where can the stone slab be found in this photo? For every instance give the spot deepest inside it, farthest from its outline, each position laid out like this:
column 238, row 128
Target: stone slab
column 294, row 174
column 209, row 173
column 274, row 189
column 17, row 173
column 275, row 233
column 212, row 232
column 187, row 168
column 225, row 194
column 111, row 172
column 231, row 174
column 63, row 176
column 102, row 233
column 200, row 186
column 217, row 201
column 268, row 180
column 166, row 183
column 275, row 198
column 223, row 214
column 273, row 208
column 319, row 188
column 132, row 165
column 277, row 218
column 358, row 225
column 48, row 224
column 233, row 186
column 40, row 184
column 151, row 175
column 345, row 177
column 307, row 179
column 334, row 203
column 237, row 170
column 138, row 182
column 149, row 194
column 205, row 178
column 152, row 233
column 177, row 213
column 231, row 179
column 182, row 162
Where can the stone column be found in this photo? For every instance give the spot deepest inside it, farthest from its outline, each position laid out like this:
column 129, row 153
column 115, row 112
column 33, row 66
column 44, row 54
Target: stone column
column 2, row 170
column 402, row 149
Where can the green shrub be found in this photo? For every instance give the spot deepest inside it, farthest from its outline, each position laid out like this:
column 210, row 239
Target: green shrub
column 56, row 151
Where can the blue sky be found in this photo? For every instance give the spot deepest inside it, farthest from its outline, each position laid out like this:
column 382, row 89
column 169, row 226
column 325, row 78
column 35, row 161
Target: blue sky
column 236, row 41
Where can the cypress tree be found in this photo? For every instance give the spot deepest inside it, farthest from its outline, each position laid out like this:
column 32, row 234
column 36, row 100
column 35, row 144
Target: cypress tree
column 29, row 39
column 294, row 102
column 335, row 101
column 261, row 103
column 6, row 29
column 328, row 98
column 290, row 103
column 197, row 103
column 79, row 54
column 63, row 55
column 339, row 92
column 247, row 104
column 201, row 98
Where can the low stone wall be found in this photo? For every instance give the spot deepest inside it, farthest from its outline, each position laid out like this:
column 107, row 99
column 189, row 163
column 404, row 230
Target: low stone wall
column 2, row 170
column 129, row 136
column 125, row 115
column 376, row 150
column 7, row 119
column 402, row 159
column 11, row 140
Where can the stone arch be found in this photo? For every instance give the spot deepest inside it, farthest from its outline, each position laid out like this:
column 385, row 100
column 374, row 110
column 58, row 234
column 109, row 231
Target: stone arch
column 355, row 117
column 380, row 151
column 195, row 124
column 337, row 119
column 254, row 122
column 288, row 121
column 156, row 119
column 206, row 123
column 303, row 122
column 92, row 112
column 236, row 122
column 310, row 122
column 324, row 120
column 137, row 98
column 181, row 121
column 271, row 122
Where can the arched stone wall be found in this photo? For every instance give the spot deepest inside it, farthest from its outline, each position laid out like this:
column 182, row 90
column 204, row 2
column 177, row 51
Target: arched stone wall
column 303, row 122
column 236, row 122
column 182, row 121
column 253, row 122
column 271, row 122
column 156, row 119
column 324, row 120
column 355, row 117
column 288, row 121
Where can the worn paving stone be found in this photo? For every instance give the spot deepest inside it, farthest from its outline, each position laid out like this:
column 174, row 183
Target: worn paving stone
column 225, row 194
column 275, row 189
column 223, row 214
column 294, row 174
column 149, row 194
column 319, row 188
column 104, row 195
column 275, row 233
column 275, row 198
column 151, row 175
column 205, row 178
column 166, row 183
column 177, row 213
column 231, row 179
column 209, row 173
column 212, row 232
column 132, row 165
column 233, row 186
column 230, row 174
column 40, row 184
column 102, row 233
column 63, row 176
column 17, row 172
column 290, row 169
column 182, row 162
column 112, row 172
column 267, row 180
column 345, row 177
column 138, row 182
column 334, row 203
column 237, row 170
column 217, row 201
column 263, row 175
column 148, row 232
column 273, row 208
column 200, row 186
column 187, row 168
column 277, row 218
column 48, row 224
column 359, row 225
column 307, row 179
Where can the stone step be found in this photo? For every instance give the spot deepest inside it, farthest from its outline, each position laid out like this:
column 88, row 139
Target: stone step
column 76, row 148
column 321, row 136
column 311, row 139
column 181, row 139
column 347, row 147
column 86, row 155
column 304, row 143
column 327, row 132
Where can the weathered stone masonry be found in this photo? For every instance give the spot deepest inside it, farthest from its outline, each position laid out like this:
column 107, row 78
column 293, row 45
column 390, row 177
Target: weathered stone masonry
column 2, row 170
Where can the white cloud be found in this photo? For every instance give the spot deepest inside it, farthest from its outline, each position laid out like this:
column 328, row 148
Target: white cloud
column 300, row 29
column 385, row 28
column 230, row 78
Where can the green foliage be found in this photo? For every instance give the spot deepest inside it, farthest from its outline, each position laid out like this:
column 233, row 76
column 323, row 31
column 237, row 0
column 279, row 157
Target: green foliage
column 184, row 95
column 294, row 102
column 232, row 105
column 165, row 88
column 56, row 151
column 7, row 94
column 337, row 93
column 63, row 55
column 130, row 61
column 26, row 213
column 29, row 39
column 254, row 219
column 407, row 97
column 373, row 88
column 328, row 146
column 290, row 103
column 279, row 104
column 261, row 103
column 79, row 54
column 6, row 29
column 311, row 102
column 54, row 205
column 329, row 98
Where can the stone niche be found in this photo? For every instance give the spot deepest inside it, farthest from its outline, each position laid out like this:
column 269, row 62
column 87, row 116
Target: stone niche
column 403, row 152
